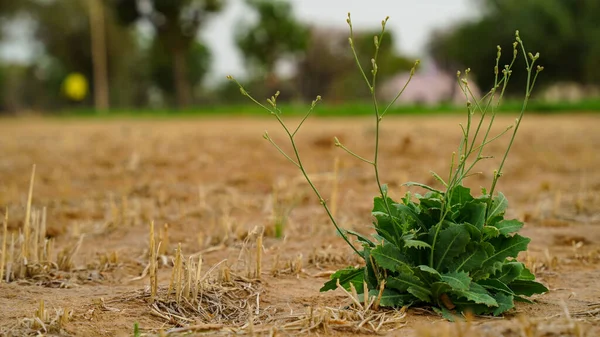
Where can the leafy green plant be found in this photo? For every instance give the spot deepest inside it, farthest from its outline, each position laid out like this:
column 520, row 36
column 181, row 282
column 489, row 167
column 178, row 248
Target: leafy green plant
column 447, row 248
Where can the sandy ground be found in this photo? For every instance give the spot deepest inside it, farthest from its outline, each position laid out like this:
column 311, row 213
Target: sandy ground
column 213, row 180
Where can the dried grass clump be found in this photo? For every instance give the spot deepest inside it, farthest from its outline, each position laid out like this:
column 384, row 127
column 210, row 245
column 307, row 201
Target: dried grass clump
column 191, row 298
column 41, row 323
column 29, row 256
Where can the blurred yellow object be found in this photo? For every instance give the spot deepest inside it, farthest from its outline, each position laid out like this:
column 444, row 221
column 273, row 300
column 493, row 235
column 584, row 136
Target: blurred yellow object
column 75, row 86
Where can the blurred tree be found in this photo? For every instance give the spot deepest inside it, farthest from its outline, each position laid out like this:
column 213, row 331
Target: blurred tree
column 564, row 32
column 276, row 35
column 161, row 65
column 64, row 30
column 329, row 69
column 176, row 23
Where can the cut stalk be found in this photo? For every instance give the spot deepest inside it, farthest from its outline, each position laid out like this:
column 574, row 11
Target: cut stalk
column 4, row 238
column 152, row 257
column 26, row 225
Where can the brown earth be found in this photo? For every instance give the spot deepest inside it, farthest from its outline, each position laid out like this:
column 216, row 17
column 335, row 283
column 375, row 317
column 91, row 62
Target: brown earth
column 212, row 181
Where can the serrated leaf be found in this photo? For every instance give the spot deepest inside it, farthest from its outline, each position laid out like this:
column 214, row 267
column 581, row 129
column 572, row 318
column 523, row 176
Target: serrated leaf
column 457, row 280
column 411, row 184
column 477, row 294
column 391, row 258
column 473, row 257
column 451, row 242
column 505, row 303
column 498, row 207
column 510, row 271
column 418, row 244
column 411, row 284
column 527, row 288
column 506, row 227
column 346, row 276
column 506, row 247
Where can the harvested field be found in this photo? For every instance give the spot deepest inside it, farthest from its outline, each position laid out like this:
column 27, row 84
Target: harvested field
column 212, row 186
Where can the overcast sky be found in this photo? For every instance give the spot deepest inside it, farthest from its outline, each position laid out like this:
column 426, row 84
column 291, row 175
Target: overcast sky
column 410, row 20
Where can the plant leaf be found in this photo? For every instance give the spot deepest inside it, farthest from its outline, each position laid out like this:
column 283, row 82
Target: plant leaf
column 505, row 303
column 522, row 299
column 451, row 242
column 474, row 256
column 490, row 232
column 506, row 247
column 474, row 232
column 421, row 293
column 526, row 274
column 411, row 284
column 477, row 294
column 460, row 196
column 427, row 274
column 418, row 244
column 465, row 305
column 498, row 207
column 439, row 288
column 510, row 271
column 474, row 213
column 527, row 288
column 506, row 227
column 495, row 286
column 457, row 280
column 346, row 276
column 390, row 257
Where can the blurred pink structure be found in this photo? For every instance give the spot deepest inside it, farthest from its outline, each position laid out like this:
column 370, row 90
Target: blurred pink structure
column 430, row 86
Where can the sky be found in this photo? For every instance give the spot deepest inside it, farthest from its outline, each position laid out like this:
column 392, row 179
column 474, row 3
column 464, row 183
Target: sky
column 411, row 21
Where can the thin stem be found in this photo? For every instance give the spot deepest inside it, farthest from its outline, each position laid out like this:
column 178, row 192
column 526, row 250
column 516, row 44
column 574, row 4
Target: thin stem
column 412, row 73
column 528, row 89
column 351, row 41
column 298, row 161
column 282, row 152
column 377, row 116
column 313, row 187
column 340, row 145
column 312, row 107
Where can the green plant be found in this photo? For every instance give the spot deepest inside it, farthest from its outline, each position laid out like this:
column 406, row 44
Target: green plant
column 446, row 248
column 136, row 330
